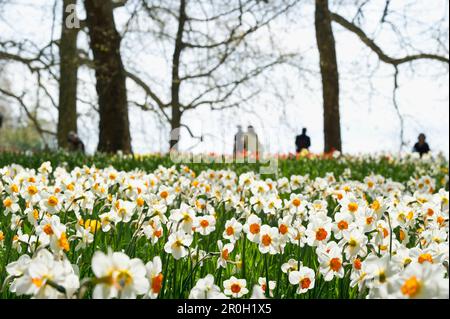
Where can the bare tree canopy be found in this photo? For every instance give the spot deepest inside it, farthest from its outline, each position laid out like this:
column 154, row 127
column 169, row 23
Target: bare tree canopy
column 174, row 60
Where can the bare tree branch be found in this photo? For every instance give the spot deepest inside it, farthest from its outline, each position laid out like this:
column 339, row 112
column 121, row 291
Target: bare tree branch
column 381, row 54
column 397, row 109
column 32, row 118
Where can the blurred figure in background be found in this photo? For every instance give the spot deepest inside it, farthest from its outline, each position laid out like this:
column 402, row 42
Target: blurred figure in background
column 421, row 146
column 239, row 146
column 75, row 143
column 251, row 142
column 302, row 142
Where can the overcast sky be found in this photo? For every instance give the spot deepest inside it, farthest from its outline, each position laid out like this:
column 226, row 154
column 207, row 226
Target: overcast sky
column 369, row 121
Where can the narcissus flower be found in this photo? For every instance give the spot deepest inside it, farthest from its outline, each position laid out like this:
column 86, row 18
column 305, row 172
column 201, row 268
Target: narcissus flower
column 318, row 231
column 380, row 270
column 40, row 276
column 204, row 225
column 385, row 239
column 153, row 230
column 155, row 276
column 269, row 240
column 232, row 230
column 263, row 284
column 51, row 203
column 11, row 205
column 85, row 237
column 206, row 289
column 118, row 276
column 421, row 281
column 304, row 278
column 178, row 244
column 183, row 218
column 291, row 265
column 235, row 287
column 354, row 243
column 224, row 253
column 331, row 262
column 123, row 211
column 253, row 228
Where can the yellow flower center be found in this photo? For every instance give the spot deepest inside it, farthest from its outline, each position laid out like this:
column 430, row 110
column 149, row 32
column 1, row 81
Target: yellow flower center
column 411, row 287
column 157, row 283
column 52, row 201
column 48, row 229
column 14, row 188
column 235, row 288
column 375, row 205
column 266, row 240
column 305, row 283
column 425, row 257
column 352, row 242
column 353, row 207
column 7, row 202
column 254, row 229
column 124, row 279
column 32, row 190
column 342, row 225
column 63, row 242
column 335, row 264
column 283, row 229
column 225, row 254
column 178, row 243
column 140, row 202
column 382, row 276
column 93, row 225
column 164, row 194
column 37, row 282
column 321, row 234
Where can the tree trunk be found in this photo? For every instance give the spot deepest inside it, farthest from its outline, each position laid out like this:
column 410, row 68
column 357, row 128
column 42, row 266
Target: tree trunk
column 67, row 113
column 175, row 126
column 114, row 124
column 176, row 84
column 330, row 76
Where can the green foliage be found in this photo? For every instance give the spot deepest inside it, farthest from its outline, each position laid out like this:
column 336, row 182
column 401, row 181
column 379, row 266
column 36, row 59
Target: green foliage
column 400, row 170
column 20, row 139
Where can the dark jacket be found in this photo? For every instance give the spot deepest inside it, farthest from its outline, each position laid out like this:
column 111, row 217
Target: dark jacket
column 302, row 142
column 421, row 149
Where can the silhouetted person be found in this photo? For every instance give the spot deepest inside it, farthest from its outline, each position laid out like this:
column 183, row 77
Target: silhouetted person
column 302, row 141
column 239, row 141
column 421, row 146
column 1, row 120
column 251, row 141
column 75, row 143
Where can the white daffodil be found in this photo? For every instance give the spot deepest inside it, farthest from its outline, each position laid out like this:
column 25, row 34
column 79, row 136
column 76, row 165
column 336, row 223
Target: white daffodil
column 118, row 276
column 178, row 244
column 304, row 278
column 155, row 276
column 235, row 288
column 206, row 289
